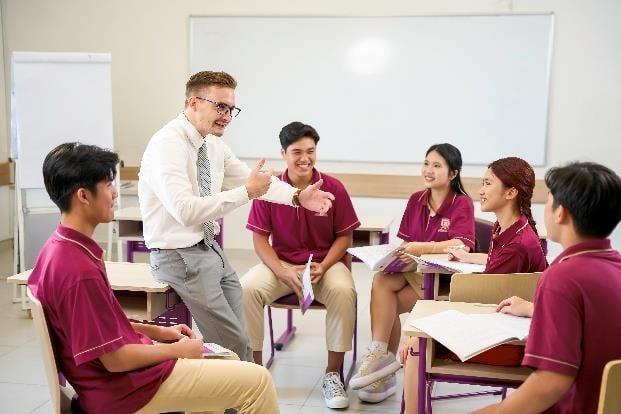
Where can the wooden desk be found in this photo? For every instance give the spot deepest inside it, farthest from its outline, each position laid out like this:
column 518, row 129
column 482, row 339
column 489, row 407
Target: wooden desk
column 432, row 368
column 373, row 230
column 142, row 297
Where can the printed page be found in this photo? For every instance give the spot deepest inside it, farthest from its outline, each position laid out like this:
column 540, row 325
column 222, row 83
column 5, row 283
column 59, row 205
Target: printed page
column 307, row 287
column 448, row 266
column 468, row 335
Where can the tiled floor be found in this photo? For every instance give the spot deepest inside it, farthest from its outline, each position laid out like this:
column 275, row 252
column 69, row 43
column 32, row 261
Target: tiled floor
column 297, row 370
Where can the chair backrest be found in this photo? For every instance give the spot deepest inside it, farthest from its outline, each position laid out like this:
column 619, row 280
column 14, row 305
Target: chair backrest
column 609, row 395
column 60, row 401
column 482, row 235
column 492, row 288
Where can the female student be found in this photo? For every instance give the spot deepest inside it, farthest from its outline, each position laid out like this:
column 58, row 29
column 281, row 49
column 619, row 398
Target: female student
column 438, row 217
column 515, row 247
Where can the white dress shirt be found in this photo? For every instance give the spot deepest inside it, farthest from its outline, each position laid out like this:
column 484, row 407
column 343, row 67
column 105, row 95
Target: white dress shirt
column 170, row 203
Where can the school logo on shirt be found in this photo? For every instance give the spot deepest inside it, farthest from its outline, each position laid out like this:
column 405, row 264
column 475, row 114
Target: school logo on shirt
column 445, row 223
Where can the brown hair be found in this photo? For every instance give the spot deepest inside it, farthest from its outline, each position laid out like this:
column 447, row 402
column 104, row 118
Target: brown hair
column 207, row 78
column 517, row 173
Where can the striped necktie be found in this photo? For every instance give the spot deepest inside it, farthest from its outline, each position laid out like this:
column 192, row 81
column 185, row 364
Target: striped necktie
column 204, row 184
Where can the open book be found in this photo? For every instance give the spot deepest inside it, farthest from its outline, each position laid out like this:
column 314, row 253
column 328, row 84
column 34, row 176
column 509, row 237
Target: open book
column 211, row 350
column 384, row 257
column 468, row 335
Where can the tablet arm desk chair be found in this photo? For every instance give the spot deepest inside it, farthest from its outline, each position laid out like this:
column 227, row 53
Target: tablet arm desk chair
column 64, row 398
column 479, row 288
column 609, row 395
column 290, row 302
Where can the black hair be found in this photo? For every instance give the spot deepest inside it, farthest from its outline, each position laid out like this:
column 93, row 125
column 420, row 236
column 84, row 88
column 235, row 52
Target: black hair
column 452, row 156
column 295, row 131
column 591, row 193
column 73, row 165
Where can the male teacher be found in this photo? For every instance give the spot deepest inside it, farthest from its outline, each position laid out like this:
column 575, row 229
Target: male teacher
column 188, row 178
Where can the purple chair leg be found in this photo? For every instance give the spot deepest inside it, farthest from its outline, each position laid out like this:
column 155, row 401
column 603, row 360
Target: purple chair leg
column 422, row 374
column 269, row 362
column 288, row 333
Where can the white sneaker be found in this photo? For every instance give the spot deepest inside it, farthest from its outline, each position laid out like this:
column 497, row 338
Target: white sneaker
column 379, row 390
column 375, row 365
column 334, row 392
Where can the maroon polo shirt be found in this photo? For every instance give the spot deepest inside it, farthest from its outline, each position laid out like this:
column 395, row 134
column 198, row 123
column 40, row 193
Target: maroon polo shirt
column 515, row 250
column 297, row 232
column 576, row 327
column 86, row 322
column 453, row 220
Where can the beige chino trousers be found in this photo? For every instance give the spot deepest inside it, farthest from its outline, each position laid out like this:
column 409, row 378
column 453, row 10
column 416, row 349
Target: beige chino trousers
column 336, row 290
column 213, row 385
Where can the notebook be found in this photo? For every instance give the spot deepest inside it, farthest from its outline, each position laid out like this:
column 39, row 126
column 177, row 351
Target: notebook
column 468, row 335
column 382, row 257
column 307, row 287
column 211, row 350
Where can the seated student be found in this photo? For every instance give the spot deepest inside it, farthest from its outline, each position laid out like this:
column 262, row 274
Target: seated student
column 297, row 233
column 575, row 328
column 506, row 190
column 435, row 218
column 515, row 247
column 113, row 364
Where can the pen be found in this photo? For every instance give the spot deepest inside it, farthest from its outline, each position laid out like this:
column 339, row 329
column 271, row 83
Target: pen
column 457, row 247
column 485, row 305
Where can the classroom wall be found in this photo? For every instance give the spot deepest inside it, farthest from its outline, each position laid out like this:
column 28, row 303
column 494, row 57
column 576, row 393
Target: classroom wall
column 6, row 192
column 149, row 43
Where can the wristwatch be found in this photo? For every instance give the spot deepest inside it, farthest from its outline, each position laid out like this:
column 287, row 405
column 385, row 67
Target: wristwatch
column 296, row 198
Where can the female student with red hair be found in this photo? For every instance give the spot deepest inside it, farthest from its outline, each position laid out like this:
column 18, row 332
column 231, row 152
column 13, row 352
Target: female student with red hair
column 440, row 216
column 506, row 190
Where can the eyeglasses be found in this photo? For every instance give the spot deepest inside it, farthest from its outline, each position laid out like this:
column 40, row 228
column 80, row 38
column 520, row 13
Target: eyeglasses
column 222, row 108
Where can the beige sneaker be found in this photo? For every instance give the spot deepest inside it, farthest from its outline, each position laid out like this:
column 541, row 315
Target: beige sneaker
column 375, row 365
column 379, row 390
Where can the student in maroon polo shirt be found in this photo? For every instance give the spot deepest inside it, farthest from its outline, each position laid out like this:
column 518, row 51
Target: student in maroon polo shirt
column 295, row 234
column 506, row 191
column 515, row 247
column 435, row 218
column 113, row 364
column 575, row 328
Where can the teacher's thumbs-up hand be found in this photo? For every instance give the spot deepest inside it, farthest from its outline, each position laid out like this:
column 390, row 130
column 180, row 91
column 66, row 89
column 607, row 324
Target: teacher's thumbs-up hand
column 258, row 181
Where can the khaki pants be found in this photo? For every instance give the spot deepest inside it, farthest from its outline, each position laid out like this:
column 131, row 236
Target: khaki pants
column 335, row 290
column 213, row 385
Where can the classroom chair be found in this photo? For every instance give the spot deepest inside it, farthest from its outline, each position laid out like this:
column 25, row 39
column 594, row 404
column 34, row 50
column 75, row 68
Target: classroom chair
column 609, row 395
column 290, row 302
column 482, row 235
column 479, row 288
column 64, row 398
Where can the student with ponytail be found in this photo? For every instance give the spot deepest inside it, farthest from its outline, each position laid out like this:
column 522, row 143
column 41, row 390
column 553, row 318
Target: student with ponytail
column 515, row 247
column 437, row 217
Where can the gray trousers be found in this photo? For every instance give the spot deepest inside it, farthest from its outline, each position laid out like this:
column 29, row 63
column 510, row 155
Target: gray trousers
column 210, row 288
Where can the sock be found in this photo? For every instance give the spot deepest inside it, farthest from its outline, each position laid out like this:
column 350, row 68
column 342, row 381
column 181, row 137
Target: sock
column 382, row 346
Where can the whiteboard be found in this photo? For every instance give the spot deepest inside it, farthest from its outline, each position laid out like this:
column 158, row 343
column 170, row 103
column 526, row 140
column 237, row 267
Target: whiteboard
column 57, row 98
column 383, row 89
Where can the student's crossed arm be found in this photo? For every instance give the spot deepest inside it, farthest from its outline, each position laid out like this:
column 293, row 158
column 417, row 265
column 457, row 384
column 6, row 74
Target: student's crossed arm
column 135, row 356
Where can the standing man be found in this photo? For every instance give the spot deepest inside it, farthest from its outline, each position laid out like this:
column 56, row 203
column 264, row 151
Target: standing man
column 295, row 235
column 189, row 178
